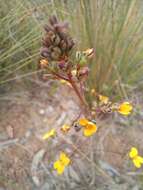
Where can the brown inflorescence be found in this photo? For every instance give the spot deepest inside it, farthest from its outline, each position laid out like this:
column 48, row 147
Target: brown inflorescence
column 57, row 43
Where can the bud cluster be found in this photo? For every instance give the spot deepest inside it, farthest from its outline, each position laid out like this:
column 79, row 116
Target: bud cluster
column 56, row 44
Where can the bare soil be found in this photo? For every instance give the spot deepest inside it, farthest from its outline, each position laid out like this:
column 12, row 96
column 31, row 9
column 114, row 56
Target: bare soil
column 25, row 115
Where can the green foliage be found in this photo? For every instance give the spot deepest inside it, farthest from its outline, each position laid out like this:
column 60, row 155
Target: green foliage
column 112, row 27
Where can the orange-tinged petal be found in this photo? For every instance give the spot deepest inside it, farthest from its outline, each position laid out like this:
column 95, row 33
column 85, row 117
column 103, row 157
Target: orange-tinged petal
column 125, row 108
column 43, row 63
column 65, row 128
column 90, row 129
column 83, row 121
column 133, row 152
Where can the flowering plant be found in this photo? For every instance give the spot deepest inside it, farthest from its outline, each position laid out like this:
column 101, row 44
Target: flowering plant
column 59, row 61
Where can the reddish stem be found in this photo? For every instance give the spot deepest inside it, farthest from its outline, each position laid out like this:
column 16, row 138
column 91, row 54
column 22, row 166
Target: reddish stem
column 75, row 88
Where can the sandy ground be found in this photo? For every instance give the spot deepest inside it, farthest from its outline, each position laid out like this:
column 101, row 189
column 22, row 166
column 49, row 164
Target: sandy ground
column 25, row 115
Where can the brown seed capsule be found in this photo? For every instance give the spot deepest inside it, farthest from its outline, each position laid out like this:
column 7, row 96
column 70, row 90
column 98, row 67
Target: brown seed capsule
column 55, row 56
column 46, row 41
column 56, row 40
column 56, row 43
column 57, row 50
column 63, row 45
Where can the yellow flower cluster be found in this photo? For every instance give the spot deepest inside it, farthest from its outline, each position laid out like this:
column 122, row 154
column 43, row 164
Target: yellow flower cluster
column 125, row 108
column 61, row 163
column 137, row 160
column 89, row 128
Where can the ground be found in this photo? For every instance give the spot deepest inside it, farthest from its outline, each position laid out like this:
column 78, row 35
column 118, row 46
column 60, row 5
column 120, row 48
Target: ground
column 26, row 115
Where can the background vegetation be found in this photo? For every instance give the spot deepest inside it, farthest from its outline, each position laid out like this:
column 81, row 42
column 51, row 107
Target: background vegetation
column 113, row 28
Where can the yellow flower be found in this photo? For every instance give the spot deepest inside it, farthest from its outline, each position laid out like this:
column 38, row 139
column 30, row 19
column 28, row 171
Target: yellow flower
column 89, row 128
column 64, row 159
column 103, row 99
column 125, row 108
column 60, row 164
column 137, row 160
column 133, row 152
column 51, row 133
column 83, row 121
column 59, row 167
column 65, row 128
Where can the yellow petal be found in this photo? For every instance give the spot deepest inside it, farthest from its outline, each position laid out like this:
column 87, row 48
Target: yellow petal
column 64, row 159
column 103, row 99
column 90, row 129
column 125, row 108
column 133, row 152
column 51, row 133
column 65, row 128
column 59, row 167
column 57, row 164
column 140, row 159
column 83, row 121
column 137, row 162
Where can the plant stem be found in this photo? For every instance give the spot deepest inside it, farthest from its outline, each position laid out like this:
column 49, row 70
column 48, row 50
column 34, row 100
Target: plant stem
column 75, row 88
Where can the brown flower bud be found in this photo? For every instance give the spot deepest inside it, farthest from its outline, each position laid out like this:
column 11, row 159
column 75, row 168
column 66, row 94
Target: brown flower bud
column 46, row 42
column 56, row 43
column 57, row 50
column 83, row 73
column 56, row 40
column 45, row 52
column 48, row 28
column 55, row 56
column 53, row 20
column 63, row 45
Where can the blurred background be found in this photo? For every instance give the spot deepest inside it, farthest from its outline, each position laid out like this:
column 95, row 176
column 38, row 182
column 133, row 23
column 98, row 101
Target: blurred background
column 113, row 28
